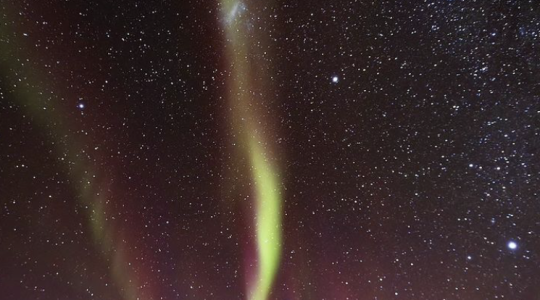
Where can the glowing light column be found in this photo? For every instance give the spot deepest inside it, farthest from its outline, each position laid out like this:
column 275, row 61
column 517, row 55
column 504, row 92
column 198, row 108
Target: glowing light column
column 255, row 145
column 268, row 221
column 33, row 95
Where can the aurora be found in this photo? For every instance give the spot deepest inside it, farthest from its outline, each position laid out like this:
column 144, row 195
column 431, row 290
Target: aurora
column 256, row 147
column 265, row 150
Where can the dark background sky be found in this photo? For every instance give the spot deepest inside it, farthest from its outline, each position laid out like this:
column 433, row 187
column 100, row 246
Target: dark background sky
column 408, row 178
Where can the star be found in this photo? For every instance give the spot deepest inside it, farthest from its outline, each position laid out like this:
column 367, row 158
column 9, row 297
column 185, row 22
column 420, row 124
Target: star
column 305, row 150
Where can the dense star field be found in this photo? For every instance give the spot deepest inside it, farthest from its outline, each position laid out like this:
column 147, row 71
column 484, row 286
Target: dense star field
column 242, row 149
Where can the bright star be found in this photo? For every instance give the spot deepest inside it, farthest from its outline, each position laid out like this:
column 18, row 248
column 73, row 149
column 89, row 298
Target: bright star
column 335, row 79
column 512, row 245
column 81, row 106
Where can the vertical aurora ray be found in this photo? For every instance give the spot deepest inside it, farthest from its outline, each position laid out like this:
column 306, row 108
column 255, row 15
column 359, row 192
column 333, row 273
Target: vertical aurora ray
column 34, row 94
column 104, row 234
column 268, row 221
column 255, row 144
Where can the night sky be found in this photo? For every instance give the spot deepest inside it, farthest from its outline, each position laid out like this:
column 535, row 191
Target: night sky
column 242, row 149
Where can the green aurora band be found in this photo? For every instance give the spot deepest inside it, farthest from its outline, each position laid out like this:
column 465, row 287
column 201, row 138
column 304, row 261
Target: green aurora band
column 44, row 107
column 247, row 127
column 268, row 220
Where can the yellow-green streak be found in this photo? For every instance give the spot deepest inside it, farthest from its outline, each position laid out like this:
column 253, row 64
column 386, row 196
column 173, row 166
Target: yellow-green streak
column 265, row 175
column 33, row 97
column 268, row 220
